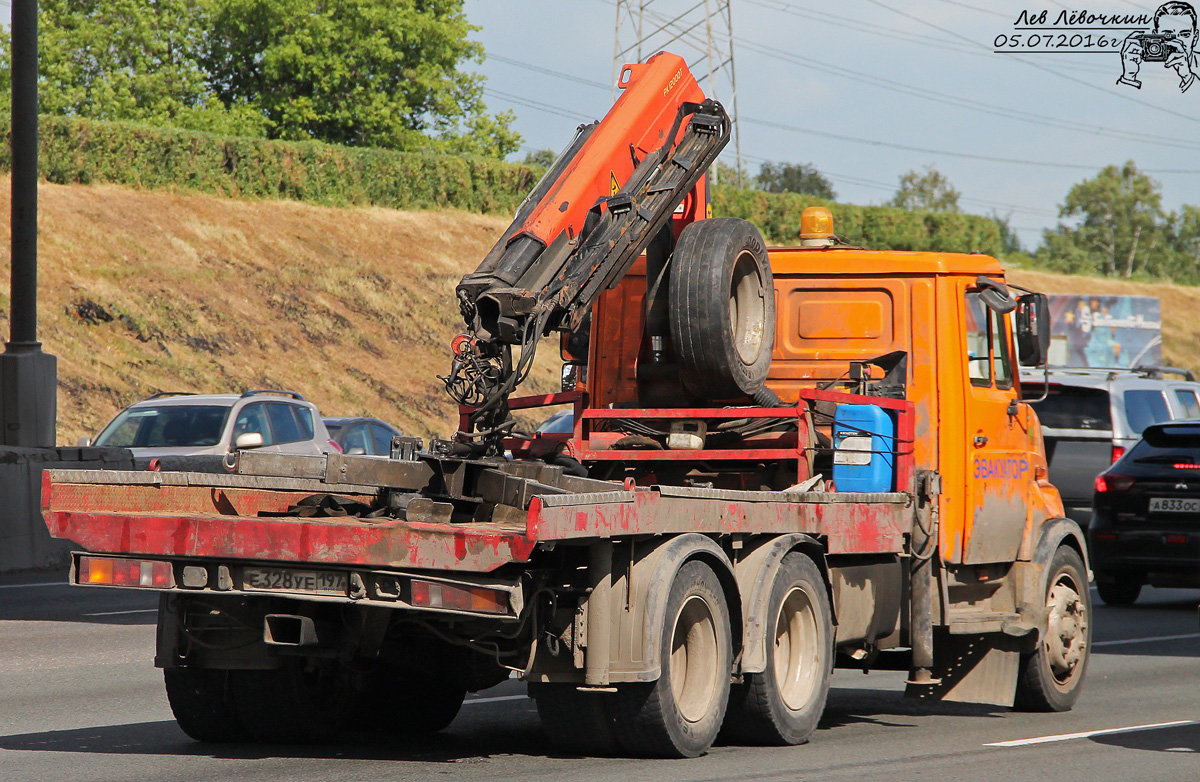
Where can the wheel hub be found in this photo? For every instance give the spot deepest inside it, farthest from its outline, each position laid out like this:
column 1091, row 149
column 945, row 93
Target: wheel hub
column 1066, row 631
column 694, row 656
column 796, row 652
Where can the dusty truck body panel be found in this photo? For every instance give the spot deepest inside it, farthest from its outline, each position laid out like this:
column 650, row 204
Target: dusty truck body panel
column 781, row 461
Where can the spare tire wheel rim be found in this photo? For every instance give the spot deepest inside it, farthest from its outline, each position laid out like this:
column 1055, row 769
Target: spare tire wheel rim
column 747, row 308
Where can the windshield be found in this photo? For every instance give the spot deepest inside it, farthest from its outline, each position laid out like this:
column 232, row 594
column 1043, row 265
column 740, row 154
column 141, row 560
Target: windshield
column 168, row 426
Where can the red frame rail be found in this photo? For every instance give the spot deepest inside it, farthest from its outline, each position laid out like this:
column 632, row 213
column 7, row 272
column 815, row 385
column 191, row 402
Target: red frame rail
column 584, row 446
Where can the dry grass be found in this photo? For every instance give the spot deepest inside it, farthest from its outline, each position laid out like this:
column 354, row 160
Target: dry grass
column 147, row 291
column 354, row 308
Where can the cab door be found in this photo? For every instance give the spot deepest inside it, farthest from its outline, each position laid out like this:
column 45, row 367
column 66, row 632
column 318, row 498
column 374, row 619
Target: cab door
column 998, row 467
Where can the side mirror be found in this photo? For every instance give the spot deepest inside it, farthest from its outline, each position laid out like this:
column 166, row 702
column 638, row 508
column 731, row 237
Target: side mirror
column 357, row 450
column 248, row 440
column 84, row 442
column 1033, row 329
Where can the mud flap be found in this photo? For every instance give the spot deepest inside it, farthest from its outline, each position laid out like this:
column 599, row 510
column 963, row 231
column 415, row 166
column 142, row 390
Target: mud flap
column 972, row 669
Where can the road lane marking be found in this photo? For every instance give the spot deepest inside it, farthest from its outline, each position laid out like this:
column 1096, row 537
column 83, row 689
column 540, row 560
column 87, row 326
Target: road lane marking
column 118, row 613
column 1150, row 639
column 1089, row 733
column 496, row 700
column 28, row 586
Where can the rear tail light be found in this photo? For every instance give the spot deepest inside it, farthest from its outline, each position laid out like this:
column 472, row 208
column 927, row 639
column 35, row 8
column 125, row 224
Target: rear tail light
column 113, row 571
column 1117, row 452
column 1106, row 536
column 1106, row 483
column 337, row 448
column 1186, row 466
column 1176, row 539
column 434, row 594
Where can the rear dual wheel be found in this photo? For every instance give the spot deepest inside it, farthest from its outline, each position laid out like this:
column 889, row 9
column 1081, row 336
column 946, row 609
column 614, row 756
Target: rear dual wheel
column 680, row 714
column 202, row 703
column 783, row 704
column 304, row 701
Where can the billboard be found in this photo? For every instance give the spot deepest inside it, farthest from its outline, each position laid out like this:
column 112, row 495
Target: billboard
column 1089, row 330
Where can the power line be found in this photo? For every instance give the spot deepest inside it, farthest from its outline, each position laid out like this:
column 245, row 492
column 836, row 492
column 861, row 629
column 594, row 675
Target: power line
column 859, row 26
column 810, row 131
column 536, row 105
column 548, row 71
column 967, row 103
column 976, row 8
column 948, row 153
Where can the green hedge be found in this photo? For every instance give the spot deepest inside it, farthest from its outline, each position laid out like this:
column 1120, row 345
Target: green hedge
column 85, row 151
column 777, row 215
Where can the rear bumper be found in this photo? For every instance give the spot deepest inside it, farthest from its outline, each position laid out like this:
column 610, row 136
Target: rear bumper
column 1163, row 556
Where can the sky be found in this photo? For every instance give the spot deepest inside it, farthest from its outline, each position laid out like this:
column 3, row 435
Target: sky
column 867, row 90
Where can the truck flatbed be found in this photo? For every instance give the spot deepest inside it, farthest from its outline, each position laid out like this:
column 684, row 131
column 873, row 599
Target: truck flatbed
column 257, row 518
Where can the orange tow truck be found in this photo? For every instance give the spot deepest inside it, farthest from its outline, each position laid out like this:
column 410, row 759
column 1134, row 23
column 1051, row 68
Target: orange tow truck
column 783, row 461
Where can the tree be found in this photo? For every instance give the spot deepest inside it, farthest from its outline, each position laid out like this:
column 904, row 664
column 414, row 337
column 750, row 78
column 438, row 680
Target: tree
column 1120, row 228
column 1009, row 241
column 359, row 72
column 129, row 60
column 801, row 178
column 542, row 158
column 734, row 176
column 930, row 191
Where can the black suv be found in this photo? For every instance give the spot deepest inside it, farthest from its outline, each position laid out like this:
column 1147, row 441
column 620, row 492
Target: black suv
column 1090, row 417
column 1146, row 528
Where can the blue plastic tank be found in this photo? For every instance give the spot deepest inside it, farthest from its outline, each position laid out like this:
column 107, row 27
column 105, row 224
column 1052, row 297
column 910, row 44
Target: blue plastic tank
column 864, row 445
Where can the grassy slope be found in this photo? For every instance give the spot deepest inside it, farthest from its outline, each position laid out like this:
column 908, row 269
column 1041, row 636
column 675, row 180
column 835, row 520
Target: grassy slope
column 354, row 308
column 147, row 291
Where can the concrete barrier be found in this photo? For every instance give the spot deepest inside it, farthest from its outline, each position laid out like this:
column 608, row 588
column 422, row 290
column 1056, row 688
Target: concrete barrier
column 25, row 543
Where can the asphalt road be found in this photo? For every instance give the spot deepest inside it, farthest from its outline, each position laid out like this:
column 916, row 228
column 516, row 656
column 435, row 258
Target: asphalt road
column 80, row 699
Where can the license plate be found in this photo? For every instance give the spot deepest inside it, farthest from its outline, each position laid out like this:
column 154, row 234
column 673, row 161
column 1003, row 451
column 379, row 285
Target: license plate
column 1175, row 505
column 314, row 582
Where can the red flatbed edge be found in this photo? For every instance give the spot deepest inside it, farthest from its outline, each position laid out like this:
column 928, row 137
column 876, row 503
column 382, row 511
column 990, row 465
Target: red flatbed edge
column 204, row 515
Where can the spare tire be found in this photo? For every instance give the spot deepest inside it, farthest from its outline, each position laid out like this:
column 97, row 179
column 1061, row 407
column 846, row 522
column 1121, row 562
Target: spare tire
column 722, row 309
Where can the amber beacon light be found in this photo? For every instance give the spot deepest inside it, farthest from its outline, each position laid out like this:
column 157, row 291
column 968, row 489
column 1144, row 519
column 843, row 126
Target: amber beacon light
column 816, row 227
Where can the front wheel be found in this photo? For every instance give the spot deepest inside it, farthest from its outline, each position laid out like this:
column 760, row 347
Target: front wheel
column 1051, row 677
column 680, row 714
